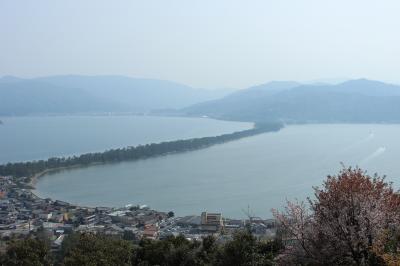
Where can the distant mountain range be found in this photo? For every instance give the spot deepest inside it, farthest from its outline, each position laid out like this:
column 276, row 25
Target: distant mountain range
column 354, row 101
column 91, row 94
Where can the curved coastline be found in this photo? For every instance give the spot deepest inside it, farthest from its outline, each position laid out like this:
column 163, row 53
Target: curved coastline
column 35, row 169
column 34, row 179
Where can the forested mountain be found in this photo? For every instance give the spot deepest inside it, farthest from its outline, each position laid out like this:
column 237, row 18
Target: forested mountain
column 354, row 101
column 35, row 97
column 76, row 94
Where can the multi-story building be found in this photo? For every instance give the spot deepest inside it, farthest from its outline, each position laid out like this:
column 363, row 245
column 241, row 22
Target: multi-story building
column 211, row 222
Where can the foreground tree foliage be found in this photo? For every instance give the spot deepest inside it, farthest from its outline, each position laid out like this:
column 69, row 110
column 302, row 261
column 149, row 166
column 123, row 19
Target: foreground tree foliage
column 170, row 251
column 27, row 252
column 353, row 220
column 244, row 249
column 92, row 250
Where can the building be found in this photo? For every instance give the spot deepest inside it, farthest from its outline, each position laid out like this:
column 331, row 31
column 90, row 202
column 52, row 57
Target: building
column 151, row 231
column 211, row 222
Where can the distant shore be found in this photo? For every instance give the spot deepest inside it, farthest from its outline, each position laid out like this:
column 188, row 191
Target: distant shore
column 36, row 169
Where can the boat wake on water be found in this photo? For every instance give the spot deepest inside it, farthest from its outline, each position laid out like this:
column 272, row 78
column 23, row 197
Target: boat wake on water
column 360, row 142
column 373, row 155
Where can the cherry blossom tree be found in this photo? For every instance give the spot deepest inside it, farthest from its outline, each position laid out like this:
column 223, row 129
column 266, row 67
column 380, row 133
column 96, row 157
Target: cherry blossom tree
column 352, row 220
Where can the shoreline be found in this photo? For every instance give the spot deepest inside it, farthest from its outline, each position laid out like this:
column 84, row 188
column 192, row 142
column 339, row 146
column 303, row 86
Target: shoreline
column 35, row 169
column 189, row 145
column 35, row 178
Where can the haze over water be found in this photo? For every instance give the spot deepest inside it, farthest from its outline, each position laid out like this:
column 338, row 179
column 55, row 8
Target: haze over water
column 261, row 171
column 33, row 138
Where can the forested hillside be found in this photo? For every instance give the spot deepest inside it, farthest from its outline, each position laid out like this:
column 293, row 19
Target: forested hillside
column 88, row 94
column 355, row 101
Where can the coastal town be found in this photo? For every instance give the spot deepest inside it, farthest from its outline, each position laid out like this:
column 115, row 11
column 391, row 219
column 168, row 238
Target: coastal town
column 23, row 213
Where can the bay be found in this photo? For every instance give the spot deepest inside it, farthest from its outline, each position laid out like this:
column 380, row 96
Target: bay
column 33, row 138
column 256, row 173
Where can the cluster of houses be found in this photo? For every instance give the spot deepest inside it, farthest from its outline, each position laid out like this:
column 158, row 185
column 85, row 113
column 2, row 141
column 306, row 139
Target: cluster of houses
column 23, row 213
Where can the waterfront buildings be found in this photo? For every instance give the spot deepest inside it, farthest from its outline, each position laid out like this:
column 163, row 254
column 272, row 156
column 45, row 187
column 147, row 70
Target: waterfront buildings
column 22, row 213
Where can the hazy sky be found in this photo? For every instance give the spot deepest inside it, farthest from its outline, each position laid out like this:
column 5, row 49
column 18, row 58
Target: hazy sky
column 205, row 43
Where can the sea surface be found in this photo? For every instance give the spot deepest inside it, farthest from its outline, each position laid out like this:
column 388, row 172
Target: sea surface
column 33, row 138
column 253, row 174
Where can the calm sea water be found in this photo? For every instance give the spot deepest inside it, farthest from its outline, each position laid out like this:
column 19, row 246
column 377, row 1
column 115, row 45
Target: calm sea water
column 258, row 172
column 32, row 138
